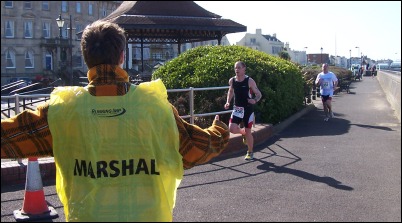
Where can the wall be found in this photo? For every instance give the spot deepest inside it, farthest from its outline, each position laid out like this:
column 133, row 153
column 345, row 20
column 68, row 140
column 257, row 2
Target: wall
column 391, row 84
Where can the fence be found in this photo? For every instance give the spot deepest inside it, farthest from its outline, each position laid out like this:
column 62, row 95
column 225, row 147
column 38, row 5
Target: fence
column 16, row 102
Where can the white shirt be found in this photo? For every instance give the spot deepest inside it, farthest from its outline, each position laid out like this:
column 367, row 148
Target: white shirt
column 327, row 83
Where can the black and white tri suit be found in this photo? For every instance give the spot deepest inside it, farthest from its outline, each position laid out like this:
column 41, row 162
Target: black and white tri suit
column 242, row 110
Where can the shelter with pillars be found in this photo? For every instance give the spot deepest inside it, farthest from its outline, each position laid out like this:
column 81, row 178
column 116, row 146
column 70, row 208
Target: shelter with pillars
column 170, row 22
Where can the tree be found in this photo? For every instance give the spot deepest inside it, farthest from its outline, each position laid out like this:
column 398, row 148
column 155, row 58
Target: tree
column 284, row 55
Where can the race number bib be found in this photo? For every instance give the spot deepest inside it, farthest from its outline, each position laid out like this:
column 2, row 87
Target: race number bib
column 325, row 85
column 238, row 111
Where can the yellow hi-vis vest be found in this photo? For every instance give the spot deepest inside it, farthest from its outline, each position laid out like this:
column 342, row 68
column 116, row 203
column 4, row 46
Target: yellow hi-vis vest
column 117, row 157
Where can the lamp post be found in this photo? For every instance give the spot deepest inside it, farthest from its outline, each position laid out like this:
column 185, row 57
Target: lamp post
column 60, row 24
column 358, row 53
column 321, row 56
column 70, row 46
column 306, row 55
column 350, row 59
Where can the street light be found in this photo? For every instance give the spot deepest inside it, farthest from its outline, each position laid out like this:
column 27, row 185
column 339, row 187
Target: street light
column 321, row 56
column 70, row 45
column 60, row 24
column 306, row 55
column 350, row 59
column 358, row 48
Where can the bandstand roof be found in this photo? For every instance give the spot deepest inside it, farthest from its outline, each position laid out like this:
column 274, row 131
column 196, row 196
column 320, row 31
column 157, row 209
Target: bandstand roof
column 173, row 22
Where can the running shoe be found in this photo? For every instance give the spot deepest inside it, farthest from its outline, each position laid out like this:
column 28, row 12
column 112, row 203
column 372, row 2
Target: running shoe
column 249, row 156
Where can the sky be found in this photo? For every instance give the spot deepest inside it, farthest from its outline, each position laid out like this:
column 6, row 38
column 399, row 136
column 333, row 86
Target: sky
column 373, row 27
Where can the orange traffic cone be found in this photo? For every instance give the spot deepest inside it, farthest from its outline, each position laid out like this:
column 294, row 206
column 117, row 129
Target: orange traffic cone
column 34, row 206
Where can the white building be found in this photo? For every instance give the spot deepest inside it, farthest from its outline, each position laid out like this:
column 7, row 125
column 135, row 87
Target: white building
column 270, row 44
column 265, row 43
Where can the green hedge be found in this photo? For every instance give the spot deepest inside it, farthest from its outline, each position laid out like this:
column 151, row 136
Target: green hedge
column 280, row 81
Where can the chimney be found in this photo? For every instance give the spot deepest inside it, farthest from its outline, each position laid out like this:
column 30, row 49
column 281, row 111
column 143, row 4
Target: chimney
column 258, row 31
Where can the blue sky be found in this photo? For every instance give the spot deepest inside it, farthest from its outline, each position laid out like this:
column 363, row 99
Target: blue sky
column 372, row 26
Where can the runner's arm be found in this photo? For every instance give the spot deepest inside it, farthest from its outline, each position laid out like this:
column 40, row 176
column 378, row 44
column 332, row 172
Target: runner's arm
column 230, row 94
column 255, row 90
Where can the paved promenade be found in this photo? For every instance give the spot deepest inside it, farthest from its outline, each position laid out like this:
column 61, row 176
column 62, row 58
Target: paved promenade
column 347, row 169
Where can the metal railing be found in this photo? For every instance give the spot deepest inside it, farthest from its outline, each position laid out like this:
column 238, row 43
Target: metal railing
column 191, row 91
column 18, row 101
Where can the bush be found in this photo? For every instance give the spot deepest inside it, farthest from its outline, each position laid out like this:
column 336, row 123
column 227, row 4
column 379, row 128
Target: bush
column 280, row 81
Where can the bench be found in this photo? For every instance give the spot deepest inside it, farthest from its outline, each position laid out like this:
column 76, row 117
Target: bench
column 344, row 84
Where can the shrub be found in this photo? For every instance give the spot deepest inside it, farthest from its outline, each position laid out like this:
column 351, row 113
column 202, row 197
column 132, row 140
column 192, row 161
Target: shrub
column 280, row 81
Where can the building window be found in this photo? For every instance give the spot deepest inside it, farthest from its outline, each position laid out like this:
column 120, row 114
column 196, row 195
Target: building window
column 28, row 29
column 90, row 9
column 65, row 31
column 276, row 49
column 45, row 5
column 252, row 41
column 27, row 5
column 157, row 56
column 48, row 61
column 78, row 7
column 104, row 11
column 77, row 61
column 78, row 28
column 9, row 29
column 29, row 59
column 8, row 4
column 10, row 59
column 64, row 6
column 46, row 30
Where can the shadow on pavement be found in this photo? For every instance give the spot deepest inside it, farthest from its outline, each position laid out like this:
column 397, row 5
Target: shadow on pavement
column 313, row 124
column 271, row 167
column 374, row 127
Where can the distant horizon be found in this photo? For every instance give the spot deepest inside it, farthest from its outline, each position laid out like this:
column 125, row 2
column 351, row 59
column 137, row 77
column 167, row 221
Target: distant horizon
column 374, row 30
